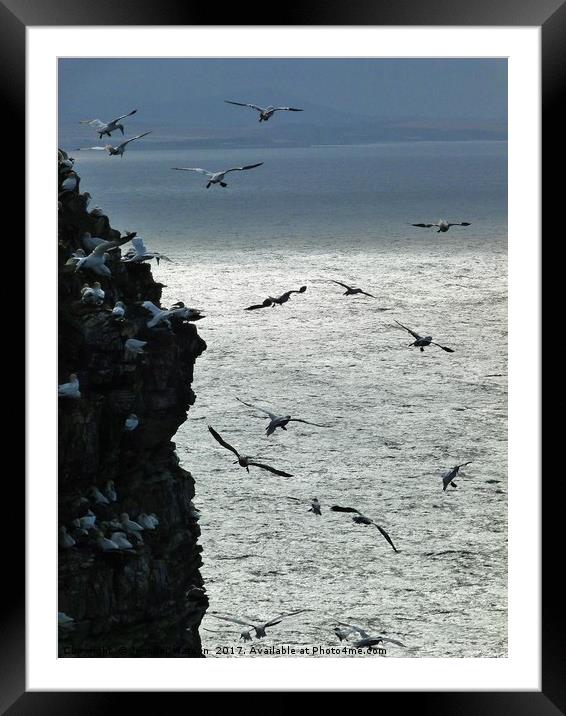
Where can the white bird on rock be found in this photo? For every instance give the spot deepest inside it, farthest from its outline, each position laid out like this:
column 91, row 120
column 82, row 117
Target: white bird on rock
column 105, row 544
column 103, row 128
column 443, row 225
column 158, row 315
column 134, row 347
column 65, row 539
column 97, row 496
column 110, row 492
column 96, row 260
column 119, row 311
column 131, row 422
column 121, row 540
column 128, row 524
column 140, row 253
column 70, row 389
column 146, row 521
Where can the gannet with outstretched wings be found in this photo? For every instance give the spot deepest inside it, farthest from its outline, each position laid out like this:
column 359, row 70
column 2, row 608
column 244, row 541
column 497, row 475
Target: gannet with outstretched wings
column 216, row 177
column 245, row 460
column 422, row 341
column 119, row 149
column 103, row 128
column 279, row 421
column 264, row 112
column 361, row 519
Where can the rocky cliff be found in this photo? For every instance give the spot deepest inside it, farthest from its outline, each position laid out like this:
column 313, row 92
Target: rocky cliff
column 147, row 600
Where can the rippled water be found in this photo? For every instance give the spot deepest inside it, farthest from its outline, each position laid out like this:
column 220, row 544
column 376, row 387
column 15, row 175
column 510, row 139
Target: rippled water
column 399, row 418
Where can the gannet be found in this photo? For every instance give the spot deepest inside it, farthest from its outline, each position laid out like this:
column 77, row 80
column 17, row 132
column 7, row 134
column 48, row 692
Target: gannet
column 119, row 149
column 121, row 540
column 110, row 492
column 443, row 225
column 131, row 422
column 86, row 522
column 260, row 627
column 128, row 524
column 278, row 300
column 134, row 347
column 119, row 311
column 70, row 183
column 448, row 478
column 422, row 341
column 279, row 421
column 103, row 128
column 216, row 177
column 96, row 260
column 158, row 315
column 139, row 253
column 65, row 539
column 366, row 640
column 74, row 257
column 179, row 311
column 361, row 519
column 97, row 496
column 146, row 521
column 351, row 291
column 264, row 112
column 105, row 544
column 244, row 460
column 70, row 389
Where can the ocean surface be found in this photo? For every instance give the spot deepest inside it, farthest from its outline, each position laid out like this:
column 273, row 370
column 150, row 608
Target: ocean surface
column 398, row 418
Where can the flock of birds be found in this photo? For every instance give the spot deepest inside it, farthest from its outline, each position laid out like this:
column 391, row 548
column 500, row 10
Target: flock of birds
column 124, row 534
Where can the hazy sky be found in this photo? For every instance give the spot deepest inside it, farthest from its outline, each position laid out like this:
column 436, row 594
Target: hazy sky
column 190, row 90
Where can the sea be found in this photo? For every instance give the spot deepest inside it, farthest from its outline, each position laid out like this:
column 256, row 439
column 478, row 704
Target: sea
column 396, row 419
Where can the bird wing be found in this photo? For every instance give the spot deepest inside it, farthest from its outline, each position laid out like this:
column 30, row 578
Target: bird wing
column 256, row 407
column 387, row 537
column 337, row 508
column 123, row 116
column 424, row 226
column 367, row 294
column 231, row 619
column 354, row 627
column 265, row 304
column 93, row 122
column 288, row 109
column 391, row 641
column 415, row 335
column 277, row 619
column 245, row 104
column 218, row 439
column 241, row 169
column 84, row 149
column 105, row 246
column 270, row 469
column 308, row 422
column 340, row 284
column 460, row 223
column 138, row 136
column 444, row 348
column 152, row 308
column 139, row 246
column 193, row 169
column 464, row 464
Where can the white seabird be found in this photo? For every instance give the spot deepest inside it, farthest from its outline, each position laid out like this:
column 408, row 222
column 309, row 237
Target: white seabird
column 96, row 260
column 131, row 422
column 128, row 524
column 134, row 347
column 103, row 128
column 264, row 112
column 121, row 540
column 279, row 421
column 86, row 522
column 65, row 539
column 216, row 177
column 119, row 149
column 245, row 460
column 96, row 496
column 422, row 341
column 140, row 253
column 105, row 544
column 110, row 492
column 74, row 257
column 361, row 519
column 70, row 389
column 146, row 521
column 158, row 315
column 443, row 225
column 259, row 627
column 119, row 311
column 448, row 478
column 352, row 291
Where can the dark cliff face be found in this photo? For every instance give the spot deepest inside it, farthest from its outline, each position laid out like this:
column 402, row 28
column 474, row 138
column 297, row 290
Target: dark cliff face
column 145, row 601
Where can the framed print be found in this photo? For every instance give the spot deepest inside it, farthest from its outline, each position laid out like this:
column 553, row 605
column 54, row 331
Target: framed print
column 295, row 444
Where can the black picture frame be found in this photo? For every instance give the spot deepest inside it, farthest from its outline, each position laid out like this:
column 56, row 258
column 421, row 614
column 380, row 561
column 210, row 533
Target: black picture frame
column 550, row 16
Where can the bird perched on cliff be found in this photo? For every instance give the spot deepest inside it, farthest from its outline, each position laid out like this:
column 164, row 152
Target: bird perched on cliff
column 139, row 253
column 86, row 522
column 70, row 389
column 65, row 539
column 351, row 291
column 264, row 112
column 64, row 621
column 96, row 260
column 159, row 315
column 74, row 257
column 103, row 128
column 258, row 627
column 366, row 640
column 216, row 177
column 361, row 519
column 244, row 460
column 131, row 422
column 448, row 478
column 119, row 311
column 443, row 225
column 120, row 539
column 110, row 492
column 134, row 347
column 70, row 183
column 97, row 496
column 119, row 150
column 423, row 341
column 105, row 544
column 128, row 524
column 94, row 295
column 90, row 242
column 275, row 301
column 147, row 522
column 279, row 421
column 179, row 311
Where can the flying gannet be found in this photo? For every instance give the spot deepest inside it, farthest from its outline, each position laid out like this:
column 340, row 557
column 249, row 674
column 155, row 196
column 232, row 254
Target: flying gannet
column 259, row 627
column 264, row 112
column 103, row 128
column 119, row 149
column 351, row 291
column 216, row 177
column 443, row 225
column 279, row 421
column 244, row 460
column 422, row 341
column 275, row 301
column 448, row 478
column 366, row 640
column 139, row 253
column 361, row 519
